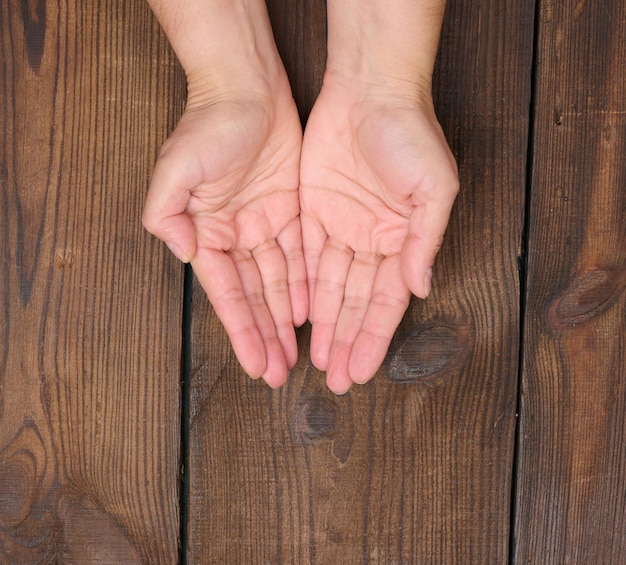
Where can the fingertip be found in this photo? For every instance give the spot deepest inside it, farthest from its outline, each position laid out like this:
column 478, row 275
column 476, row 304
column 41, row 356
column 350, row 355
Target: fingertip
column 261, row 362
column 292, row 361
column 420, row 285
column 360, row 373
column 319, row 358
column 274, row 381
column 276, row 370
column 276, row 373
column 428, row 277
column 178, row 233
column 250, row 352
column 253, row 365
column 321, row 340
column 178, row 252
column 337, row 381
column 339, row 388
column 364, row 364
column 361, row 380
column 416, row 269
column 337, row 377
column 427, row 227
column 319, row 361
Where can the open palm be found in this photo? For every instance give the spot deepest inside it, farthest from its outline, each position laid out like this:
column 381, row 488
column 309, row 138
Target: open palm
column 224, row 195
column 377, row 184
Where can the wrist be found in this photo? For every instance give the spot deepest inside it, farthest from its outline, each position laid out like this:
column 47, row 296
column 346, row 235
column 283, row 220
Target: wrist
column 366, row 90
column 254, row 80
column 368, row 64
column 224, row 46
column 387, row 45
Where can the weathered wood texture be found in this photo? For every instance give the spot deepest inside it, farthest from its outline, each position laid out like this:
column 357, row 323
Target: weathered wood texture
column 415, row 467
column 90, row 307
column 571, row 501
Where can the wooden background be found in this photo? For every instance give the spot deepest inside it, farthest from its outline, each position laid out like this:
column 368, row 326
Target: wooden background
column 128, row 433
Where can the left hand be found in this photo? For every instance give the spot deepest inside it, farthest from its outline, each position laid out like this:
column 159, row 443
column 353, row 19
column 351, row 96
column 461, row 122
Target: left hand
column 377, row 184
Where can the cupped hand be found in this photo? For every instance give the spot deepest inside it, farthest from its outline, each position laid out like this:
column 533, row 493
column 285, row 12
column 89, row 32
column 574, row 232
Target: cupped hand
column 377, row 185
column 224, row 196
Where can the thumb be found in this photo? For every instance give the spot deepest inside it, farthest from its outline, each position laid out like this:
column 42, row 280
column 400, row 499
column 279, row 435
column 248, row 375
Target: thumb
column 164, row 212
column 427, row 225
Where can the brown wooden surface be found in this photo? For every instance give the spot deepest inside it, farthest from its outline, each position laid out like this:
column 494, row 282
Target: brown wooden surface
column 90, row 306
column 572, row 476
column 415, row 467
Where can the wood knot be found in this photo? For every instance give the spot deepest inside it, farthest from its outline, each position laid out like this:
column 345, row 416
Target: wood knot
column 558, row 111
column 588, row 295
column 578, row 10
column 315, row 416
column 18, row 485
column 65, row 258
column 34, row 19
column 22, row 464
column 429, row 350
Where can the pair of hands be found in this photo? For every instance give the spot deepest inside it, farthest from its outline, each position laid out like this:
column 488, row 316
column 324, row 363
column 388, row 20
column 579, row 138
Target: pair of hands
column 340, row 226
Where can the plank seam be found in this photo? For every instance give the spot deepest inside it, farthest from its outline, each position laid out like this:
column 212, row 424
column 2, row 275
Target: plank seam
column 184, row 412
column 523, row 277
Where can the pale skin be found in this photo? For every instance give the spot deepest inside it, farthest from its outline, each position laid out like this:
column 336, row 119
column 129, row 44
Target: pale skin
column 340, row 228
column 224, row 193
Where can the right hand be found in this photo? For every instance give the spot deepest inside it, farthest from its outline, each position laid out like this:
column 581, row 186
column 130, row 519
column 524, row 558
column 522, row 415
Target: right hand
column 224, row 196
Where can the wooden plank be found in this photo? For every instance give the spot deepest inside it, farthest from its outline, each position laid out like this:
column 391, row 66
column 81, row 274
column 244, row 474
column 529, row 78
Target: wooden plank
column 416, row 466
column 299, row 30
column 90, row 305
column 571, row 501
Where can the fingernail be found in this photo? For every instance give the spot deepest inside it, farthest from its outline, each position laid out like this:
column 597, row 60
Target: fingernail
column 177, row 252
column 428, row 282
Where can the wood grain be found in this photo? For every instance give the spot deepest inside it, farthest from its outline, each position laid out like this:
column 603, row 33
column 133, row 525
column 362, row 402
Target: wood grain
column 415, row 467
column 571, row 500
column 91, row 307
column 300, row 32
